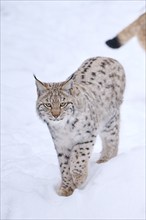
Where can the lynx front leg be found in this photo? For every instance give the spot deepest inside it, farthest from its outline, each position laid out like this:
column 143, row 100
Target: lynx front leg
column 67, row 186
column 110, row 139
column 79, row 162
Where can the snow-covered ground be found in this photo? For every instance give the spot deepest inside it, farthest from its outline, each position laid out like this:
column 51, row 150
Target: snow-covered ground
column 51, row 39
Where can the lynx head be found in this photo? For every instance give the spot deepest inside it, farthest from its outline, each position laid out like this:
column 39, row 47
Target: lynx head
column 55, row 100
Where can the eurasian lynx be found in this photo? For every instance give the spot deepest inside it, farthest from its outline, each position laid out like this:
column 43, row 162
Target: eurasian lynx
column 76, row 110
column 137, row 28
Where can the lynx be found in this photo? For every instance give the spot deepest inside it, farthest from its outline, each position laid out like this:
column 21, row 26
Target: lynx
column 137, row 28
column 76, row 110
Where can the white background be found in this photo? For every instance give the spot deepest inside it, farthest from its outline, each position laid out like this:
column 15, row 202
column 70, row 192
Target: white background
column 51, row 39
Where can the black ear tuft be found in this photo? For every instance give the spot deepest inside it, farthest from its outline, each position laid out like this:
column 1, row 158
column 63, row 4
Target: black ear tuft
column 35, row 77
column 114, row 43
column 41, row 87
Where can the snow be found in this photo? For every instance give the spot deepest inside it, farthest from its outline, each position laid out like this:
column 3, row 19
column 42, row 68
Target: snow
column 52, row 39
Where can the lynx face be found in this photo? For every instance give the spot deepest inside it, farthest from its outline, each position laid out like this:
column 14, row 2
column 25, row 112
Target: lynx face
column 55, row 101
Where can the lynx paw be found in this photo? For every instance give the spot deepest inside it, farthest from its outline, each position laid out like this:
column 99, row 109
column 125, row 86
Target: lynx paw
column 102, row 160
column 78, row 177
column 62, row 191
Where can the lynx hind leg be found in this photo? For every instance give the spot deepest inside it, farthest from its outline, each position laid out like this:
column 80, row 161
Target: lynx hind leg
column 79, row 162
column 110, row 139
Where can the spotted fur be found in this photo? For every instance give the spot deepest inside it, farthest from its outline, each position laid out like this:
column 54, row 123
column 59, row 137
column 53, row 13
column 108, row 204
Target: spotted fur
column 77, row 110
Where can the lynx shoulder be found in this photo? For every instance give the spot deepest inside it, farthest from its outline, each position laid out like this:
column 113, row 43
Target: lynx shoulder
column 137, row 28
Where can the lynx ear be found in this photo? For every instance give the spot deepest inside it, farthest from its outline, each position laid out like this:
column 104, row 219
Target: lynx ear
column 68, row 86
column 41, row 87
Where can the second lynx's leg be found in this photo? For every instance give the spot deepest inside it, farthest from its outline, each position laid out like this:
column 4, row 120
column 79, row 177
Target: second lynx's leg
column 79, row 162
column 110, row 139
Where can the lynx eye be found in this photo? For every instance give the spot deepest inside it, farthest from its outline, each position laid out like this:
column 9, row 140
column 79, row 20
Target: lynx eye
column 63, row 104
column 47, row 105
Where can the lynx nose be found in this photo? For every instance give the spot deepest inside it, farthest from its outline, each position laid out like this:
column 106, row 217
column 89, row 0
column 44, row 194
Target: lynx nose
column 56, row 112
